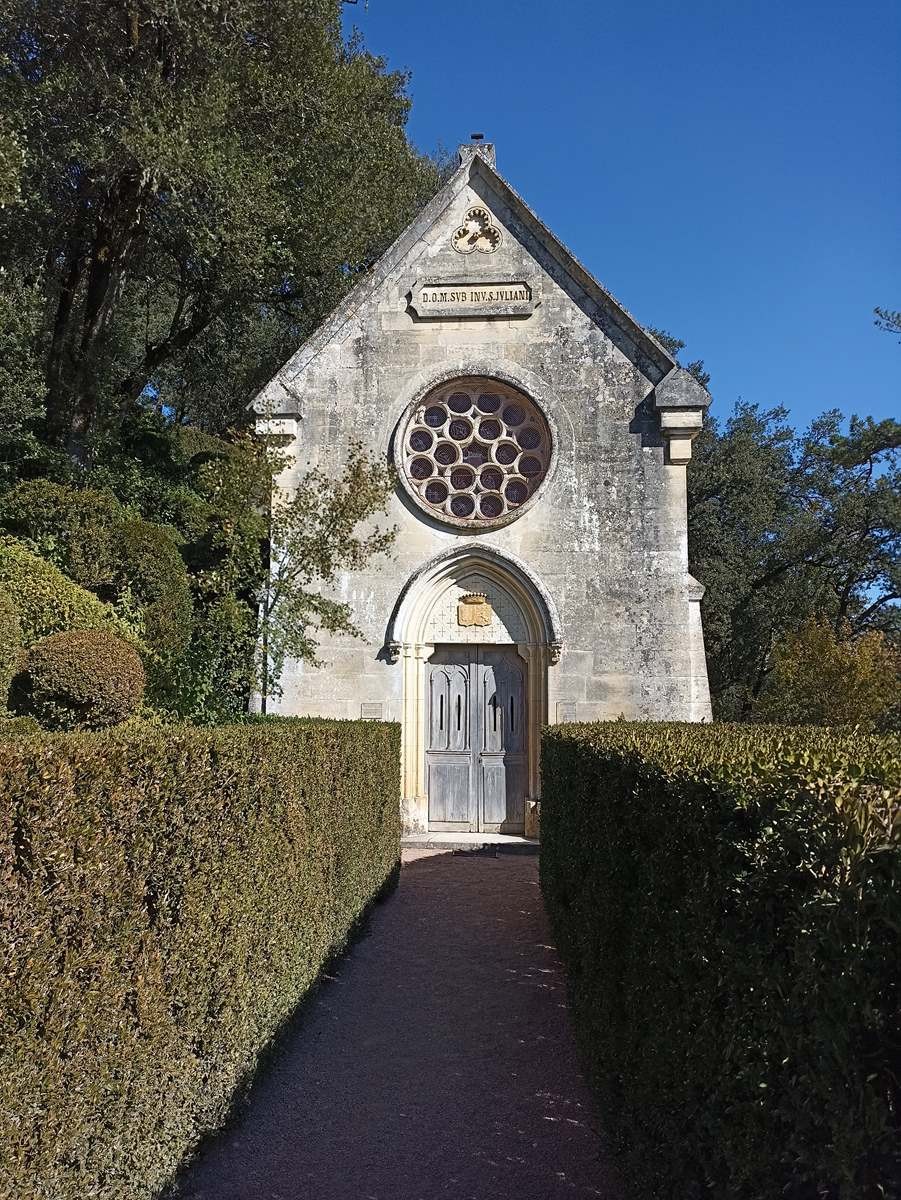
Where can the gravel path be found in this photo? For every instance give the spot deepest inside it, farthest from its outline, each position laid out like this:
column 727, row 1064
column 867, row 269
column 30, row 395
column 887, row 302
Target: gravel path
column 437, row 1062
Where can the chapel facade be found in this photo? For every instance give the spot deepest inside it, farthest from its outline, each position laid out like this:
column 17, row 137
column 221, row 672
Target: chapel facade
column 540, row 437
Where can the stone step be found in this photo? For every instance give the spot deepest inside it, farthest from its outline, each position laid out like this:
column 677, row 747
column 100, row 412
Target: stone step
column 486, row 843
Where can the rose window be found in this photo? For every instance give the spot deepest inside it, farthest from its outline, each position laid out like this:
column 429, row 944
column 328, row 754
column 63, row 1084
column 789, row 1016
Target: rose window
column 474, row 452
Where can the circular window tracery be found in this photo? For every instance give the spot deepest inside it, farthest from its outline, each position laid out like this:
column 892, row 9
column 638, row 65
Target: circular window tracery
column 474, row 452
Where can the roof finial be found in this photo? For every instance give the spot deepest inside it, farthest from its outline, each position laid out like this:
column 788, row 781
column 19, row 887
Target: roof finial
column 477, row 147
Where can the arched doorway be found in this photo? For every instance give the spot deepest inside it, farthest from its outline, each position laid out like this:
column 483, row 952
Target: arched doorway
column 475, row 632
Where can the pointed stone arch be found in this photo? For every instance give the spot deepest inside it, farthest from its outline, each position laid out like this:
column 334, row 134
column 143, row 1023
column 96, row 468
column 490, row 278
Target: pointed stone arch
column 524, row 616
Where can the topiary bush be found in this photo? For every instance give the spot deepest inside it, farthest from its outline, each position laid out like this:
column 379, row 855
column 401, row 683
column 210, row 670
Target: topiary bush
column 109, row 550
column 169, row 898
column 46, row 601
column 76, row 530
column 152, row 568
column 727, row 901
column 11, row 654
column 80, row 679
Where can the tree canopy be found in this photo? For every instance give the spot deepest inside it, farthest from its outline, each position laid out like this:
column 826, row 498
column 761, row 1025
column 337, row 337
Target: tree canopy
column 197, row 185
column 788, row 528
column 186, row 190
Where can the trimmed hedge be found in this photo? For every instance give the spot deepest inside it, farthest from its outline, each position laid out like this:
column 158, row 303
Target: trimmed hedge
column 82, row 679
column 18, row 726
column 726, row 901
column 169, row 898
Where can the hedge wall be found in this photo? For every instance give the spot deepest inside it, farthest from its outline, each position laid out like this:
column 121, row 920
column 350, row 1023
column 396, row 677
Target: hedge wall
column 168, row 898
column 726, row 900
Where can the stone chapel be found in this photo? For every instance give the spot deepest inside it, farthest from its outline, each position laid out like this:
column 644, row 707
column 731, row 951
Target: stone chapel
column 540, row 571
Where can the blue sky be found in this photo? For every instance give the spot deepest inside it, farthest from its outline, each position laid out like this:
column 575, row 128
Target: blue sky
column 730, row 171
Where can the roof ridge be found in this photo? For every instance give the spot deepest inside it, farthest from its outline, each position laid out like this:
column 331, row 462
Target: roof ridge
column 646, row 345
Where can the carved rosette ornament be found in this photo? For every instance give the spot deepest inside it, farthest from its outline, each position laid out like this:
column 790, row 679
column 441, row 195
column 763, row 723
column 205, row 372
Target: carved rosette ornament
column 477, row 232
column 474, row 609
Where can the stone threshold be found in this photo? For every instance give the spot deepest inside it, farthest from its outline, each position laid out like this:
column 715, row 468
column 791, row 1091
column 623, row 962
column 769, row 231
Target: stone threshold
column 493, row 843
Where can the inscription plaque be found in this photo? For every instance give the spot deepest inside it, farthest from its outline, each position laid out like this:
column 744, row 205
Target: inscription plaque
column 493, row 297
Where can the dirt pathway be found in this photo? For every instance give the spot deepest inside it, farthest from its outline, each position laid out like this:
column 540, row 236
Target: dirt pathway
column 438, row 1062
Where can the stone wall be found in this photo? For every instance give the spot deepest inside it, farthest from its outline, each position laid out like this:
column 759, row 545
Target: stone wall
column 607, row 537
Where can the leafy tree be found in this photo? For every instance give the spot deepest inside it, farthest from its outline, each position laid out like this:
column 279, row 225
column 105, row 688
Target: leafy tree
column 192, row 176
column 675, row 345
column 785, row 527
column 22, row 388
column 821, row 675
column 889, row 320
column 320, row 527
column 11, row 162
column 185, row 192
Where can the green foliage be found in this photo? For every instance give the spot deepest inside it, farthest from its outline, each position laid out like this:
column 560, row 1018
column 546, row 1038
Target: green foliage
column 12, row 160
column 11, row 727
column 213, row 492
column 23, row 388
column 726, row 900
column 80, row 679
column 674, row 346
column 888, row 319
column 46, row 601
column 182, row 251
column 131, row 563
column 170, row 898
column 820, row 678
column 214, row 676
column 783, row 527
column 10, row 643
column 315, row 531
column 75, row 530
column 153, row 572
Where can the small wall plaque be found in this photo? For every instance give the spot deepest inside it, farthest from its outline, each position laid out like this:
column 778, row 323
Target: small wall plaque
column 566, row 712
column 371, row 711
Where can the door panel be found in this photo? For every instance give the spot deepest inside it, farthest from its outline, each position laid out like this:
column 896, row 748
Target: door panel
column 449, row 757
column 449, row 707
column 476, row 762
column 450, row 787
column 502, row 758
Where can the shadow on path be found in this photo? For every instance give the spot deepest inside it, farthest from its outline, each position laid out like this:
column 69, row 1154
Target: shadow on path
column 437, row 1062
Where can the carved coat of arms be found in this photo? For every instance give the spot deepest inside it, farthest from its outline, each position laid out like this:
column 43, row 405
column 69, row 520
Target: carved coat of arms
column 474, row 609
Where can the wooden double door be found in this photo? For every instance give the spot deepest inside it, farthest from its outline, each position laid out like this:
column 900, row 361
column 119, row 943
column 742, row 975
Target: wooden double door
column 477, row 755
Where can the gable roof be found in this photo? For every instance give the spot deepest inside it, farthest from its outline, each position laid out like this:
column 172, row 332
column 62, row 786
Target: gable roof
column 474, row 160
